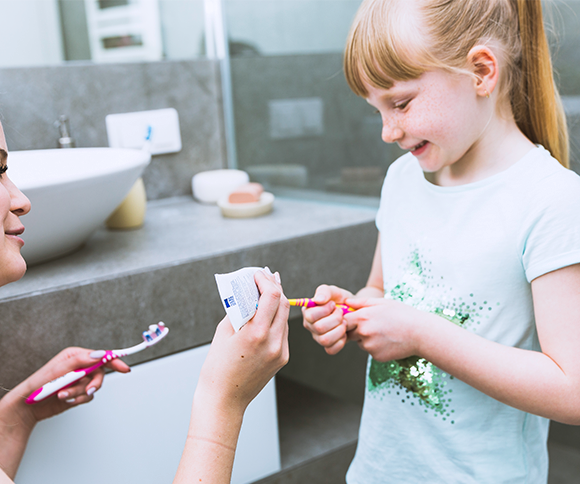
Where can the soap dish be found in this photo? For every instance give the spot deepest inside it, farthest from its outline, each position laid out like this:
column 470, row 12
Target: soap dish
column 246, row 210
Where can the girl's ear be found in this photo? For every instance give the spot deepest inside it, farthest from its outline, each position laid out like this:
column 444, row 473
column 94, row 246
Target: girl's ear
column 483, row 63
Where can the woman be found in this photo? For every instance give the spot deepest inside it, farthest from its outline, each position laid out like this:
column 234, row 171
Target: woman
column 236, row 369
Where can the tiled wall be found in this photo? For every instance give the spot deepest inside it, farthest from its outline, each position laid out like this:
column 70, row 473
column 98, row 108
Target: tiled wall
column 31, row 99
column 351, row 131
column 351, row 128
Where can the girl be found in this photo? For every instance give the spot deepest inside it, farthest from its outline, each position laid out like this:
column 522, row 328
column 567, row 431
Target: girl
column 236, row 369
column 474, row 345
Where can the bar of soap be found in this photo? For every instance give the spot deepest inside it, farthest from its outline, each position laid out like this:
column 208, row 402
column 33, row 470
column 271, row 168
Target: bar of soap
column 248, row 193
column 210, row 186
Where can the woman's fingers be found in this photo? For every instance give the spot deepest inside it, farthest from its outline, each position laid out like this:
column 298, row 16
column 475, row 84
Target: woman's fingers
column 271, row 298
column 85, row 387
column 92, row 382
column 119, row 366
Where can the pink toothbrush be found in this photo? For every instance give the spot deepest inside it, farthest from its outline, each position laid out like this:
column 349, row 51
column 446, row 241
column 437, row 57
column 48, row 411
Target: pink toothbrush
column 155, row 333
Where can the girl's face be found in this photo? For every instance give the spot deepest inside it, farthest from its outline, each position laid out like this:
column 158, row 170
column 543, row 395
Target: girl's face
column 438, row 117
column 13, row 204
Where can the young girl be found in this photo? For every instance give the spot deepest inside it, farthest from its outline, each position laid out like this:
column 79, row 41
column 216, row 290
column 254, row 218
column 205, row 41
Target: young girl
column 474, row 345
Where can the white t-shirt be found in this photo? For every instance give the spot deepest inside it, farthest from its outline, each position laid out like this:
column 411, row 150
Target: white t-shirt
column 467, row 253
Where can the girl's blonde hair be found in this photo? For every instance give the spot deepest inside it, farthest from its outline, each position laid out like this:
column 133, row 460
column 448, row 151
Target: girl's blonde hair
column 398, row 40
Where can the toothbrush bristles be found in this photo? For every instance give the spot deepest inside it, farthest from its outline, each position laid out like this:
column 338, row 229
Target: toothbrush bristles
column 155, row 331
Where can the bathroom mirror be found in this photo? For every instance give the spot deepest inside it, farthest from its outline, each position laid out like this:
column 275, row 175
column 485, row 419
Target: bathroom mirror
column 50, row 32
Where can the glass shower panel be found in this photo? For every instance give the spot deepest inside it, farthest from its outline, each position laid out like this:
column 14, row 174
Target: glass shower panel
column 297, row 123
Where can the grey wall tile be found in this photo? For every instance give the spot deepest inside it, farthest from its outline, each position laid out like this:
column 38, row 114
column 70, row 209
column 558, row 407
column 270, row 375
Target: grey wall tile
column 351, row 128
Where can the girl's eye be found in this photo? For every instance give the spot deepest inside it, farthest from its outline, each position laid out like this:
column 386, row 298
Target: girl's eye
column 3, row 169
column 402, row 105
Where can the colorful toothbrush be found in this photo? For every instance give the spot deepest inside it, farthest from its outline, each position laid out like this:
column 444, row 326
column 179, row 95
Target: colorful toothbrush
column 309, row 303
column 155, row 333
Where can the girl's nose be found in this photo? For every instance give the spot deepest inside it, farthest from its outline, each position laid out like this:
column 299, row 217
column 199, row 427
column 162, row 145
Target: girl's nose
column 19, row 203
column 391, row 132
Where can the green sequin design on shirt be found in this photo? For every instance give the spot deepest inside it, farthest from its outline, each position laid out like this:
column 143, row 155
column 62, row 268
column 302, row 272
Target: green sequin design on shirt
column 415, row 378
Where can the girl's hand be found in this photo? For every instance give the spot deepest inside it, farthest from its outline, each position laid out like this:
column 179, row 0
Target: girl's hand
column 325, row 321
column 386, row 329
column 240, row 364
column 80, row 392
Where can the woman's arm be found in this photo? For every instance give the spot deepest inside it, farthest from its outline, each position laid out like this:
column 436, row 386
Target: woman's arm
column 236, row 369
column 544, row 383
column 4, row 479
column 18, row 419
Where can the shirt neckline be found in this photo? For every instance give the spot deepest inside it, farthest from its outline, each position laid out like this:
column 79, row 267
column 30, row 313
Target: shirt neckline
column 509, row 172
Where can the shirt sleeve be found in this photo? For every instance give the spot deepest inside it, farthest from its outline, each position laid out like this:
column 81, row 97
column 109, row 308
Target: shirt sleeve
column 553, row 230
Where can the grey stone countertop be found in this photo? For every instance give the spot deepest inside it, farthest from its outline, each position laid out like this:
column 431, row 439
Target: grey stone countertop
column 119, row 282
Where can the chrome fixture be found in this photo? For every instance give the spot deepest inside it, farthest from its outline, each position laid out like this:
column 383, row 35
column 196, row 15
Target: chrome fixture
column 65, row 140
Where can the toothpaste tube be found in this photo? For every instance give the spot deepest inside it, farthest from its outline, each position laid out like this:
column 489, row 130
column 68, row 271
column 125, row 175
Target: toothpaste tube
column 239, row 295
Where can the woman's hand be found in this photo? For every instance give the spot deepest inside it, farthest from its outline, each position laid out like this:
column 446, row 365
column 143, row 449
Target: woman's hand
column 236, row 369
column 17, row 418
column 386, row 329
column 240, row 364
column 78, row 393
column 325, row 321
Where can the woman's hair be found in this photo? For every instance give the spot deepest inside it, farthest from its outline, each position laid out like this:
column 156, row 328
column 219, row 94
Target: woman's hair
column 398, row 40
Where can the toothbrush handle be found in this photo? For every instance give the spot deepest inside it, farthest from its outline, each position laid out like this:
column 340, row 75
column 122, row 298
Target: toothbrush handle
column 303, row 301
column 309, row 303
column 66, row 380
column 345, row 309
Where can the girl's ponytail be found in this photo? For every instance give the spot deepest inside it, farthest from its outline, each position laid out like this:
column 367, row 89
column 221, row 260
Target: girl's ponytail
column 536, row 103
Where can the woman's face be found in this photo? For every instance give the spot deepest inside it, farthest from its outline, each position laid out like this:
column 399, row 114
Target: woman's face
column 13, row 204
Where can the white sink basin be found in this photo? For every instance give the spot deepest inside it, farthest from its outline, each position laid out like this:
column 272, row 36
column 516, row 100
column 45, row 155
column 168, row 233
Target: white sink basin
column 72, row 192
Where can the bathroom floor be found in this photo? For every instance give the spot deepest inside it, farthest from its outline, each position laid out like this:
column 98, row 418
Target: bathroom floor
column 314, row 450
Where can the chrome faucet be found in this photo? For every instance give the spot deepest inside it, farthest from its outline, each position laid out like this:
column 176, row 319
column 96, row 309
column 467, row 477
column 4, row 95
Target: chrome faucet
column 65, row 140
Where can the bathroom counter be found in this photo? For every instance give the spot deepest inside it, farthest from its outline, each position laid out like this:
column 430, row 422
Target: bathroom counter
column 105, row 294
column 179, row 230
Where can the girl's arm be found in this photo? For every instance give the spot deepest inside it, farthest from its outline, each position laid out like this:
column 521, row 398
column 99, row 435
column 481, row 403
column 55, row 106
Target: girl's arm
column 544, row 383
column 18, row 419
column 236, row 369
